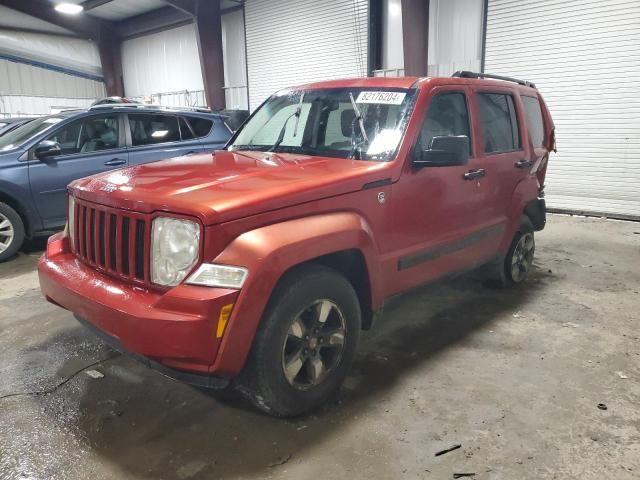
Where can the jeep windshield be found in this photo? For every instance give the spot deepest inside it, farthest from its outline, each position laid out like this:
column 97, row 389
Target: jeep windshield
column 357, row 123
column 17, row 137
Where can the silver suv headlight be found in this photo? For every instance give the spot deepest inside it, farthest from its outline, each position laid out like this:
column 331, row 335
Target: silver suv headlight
column 174, row 249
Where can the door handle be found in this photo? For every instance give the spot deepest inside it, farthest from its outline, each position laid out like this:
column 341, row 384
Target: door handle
column 115, row 162
column 191, row 152
column 523, row 163
column 473, row 174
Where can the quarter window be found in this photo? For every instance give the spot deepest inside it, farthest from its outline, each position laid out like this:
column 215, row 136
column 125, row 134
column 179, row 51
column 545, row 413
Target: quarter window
column 499, row 123
column 533, row 114
column 447, row 116
column 201, row 126
column 148, row 128
column 91, row 134
column 185, row 131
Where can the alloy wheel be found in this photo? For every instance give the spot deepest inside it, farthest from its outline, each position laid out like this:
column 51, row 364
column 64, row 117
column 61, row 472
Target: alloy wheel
column 313, row 345
column 522, row 257
column 6, row 233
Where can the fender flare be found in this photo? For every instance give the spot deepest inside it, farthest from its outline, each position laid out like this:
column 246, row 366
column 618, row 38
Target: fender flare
column 524, row 193
column 270, row 251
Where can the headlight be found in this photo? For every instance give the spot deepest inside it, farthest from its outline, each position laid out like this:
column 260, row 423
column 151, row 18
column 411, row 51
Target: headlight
column 223, row 276
column 174, row 249
column 71, row 222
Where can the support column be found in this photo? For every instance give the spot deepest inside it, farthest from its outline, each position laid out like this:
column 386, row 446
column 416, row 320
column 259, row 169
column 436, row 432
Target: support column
column 415, row 36
column 111, row 60
column 208, row 24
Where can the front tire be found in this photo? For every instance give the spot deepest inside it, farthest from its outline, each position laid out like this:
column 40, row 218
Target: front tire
column 11, row 232
column 306, row 342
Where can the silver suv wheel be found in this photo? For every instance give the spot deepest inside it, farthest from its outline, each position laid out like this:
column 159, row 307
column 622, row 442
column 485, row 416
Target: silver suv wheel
column 7, row 233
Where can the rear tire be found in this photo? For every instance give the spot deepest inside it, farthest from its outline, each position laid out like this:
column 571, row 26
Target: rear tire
column 513, row 268
column 306, row 342
column 11, row 232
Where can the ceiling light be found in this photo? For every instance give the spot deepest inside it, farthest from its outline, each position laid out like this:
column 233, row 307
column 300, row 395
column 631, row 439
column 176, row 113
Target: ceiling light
column 69, row 8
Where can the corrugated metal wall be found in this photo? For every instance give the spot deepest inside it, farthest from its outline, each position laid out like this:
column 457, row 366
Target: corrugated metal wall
column 584, row 55
column 29, row 81
column 30, row 90
column 291, row 43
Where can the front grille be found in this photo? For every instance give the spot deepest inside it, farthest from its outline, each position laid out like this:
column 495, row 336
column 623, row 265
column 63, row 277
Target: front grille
column 113, row 241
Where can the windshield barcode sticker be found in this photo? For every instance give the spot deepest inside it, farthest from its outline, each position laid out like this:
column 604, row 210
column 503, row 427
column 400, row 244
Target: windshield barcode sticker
column 387, row 98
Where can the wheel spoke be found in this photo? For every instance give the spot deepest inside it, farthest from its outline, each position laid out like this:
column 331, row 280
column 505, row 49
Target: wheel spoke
column 297, row 329
column 515, row 272
column 315, row 369
column 293, row 366
column 323, row 309
column 5, row 224
column 335, row 338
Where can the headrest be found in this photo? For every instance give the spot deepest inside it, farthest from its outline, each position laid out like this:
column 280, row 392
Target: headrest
column 346, row 121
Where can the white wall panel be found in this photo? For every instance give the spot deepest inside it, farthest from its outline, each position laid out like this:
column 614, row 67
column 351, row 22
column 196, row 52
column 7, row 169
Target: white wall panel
column 392, row 43
column 584, row 57
column 455, row 36
column 167, row 61
column 235, row 61
column 75, row 54
column 18, row 105
column 291, row 43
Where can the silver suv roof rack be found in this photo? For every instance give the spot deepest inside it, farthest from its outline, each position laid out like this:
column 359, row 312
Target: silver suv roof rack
column 468, row 74
column 143, row 106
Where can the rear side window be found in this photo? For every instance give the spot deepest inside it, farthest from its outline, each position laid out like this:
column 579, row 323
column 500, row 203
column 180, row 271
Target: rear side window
column 499, row 123
column 533, row 114
column 201, row 126
column 149, row 128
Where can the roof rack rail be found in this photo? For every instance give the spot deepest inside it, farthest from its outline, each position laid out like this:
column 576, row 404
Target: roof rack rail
column 142, row 106
column 468, row 74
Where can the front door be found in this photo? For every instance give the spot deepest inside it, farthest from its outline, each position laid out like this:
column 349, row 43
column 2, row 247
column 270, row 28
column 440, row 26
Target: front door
column 436, row 211
column 89, row 145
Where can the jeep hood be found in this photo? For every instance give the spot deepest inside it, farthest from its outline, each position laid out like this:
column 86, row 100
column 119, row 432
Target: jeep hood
column 228, row 185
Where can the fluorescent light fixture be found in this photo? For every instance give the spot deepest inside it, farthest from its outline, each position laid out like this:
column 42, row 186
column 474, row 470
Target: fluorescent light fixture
column 69, row 8
column 160, row 133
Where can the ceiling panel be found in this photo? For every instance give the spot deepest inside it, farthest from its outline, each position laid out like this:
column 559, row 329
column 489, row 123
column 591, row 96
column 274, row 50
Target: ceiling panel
column 121, row 9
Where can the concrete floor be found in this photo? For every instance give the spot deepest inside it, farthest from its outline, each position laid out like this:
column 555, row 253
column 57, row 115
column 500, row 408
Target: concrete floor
column 514, row 376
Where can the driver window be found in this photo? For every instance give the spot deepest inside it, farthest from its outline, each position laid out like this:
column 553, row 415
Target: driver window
column 88, row 135
column 447, row 116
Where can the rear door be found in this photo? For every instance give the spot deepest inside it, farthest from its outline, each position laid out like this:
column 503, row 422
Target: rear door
column 90, row 145
column 158, row 136
column 501, row 148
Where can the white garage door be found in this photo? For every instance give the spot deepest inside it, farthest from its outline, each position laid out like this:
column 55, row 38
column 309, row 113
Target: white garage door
column 290, row 43
column 584, row 55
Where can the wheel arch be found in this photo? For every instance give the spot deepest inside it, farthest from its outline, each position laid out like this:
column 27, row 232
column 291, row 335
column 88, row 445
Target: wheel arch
column 342, row 241
column 21, row 210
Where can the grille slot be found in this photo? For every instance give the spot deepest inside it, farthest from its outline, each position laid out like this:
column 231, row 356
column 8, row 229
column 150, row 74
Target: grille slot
column 114, row 241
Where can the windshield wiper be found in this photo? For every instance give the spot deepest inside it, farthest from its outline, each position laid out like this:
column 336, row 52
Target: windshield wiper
column 286, row 122
column 354, row 144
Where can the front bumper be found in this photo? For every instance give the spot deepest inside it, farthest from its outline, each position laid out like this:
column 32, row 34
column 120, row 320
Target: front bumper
column 175, row 329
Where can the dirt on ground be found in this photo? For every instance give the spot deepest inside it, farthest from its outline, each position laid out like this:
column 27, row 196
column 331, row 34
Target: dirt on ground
column 515, row 377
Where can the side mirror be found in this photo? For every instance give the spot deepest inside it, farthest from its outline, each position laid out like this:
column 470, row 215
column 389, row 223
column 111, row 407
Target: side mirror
column 46, row 149
column 443, row 152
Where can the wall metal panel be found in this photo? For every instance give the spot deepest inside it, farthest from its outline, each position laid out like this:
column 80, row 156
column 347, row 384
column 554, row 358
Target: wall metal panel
column 584, row 57
column 290, row 43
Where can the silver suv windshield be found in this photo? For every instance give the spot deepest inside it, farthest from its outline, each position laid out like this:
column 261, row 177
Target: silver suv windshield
column 17, row 137
column 359, row 123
